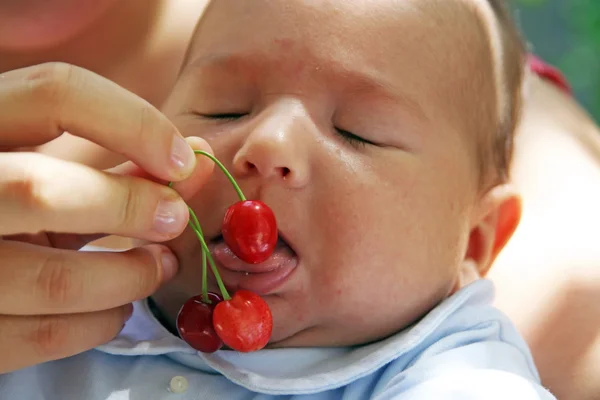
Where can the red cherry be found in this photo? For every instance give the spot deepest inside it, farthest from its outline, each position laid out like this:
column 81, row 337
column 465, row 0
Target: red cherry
column 250, row 230
column 195, row 325
column 244, row 323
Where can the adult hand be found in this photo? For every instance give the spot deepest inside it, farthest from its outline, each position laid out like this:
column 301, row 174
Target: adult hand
column 54, row 300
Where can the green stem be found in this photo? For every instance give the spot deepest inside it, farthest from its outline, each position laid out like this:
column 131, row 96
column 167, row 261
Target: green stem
column 195, row 224
column 206, row 253
column 220, row 165
column 194, row 221
column 205, row 298
column 225, row 171
column 215, row 271
column 205, row 280
column 222, row 288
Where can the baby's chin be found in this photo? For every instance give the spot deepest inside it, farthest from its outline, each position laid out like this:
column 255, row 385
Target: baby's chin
column 290, row 332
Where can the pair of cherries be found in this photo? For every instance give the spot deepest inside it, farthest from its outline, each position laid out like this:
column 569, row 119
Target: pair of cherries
column 243, row 322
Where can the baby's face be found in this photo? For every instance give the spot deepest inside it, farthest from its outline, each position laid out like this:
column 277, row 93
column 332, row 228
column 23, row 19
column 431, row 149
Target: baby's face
column 353, row 121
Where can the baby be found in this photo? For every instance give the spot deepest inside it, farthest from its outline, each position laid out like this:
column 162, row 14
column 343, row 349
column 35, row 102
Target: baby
column 380, row 133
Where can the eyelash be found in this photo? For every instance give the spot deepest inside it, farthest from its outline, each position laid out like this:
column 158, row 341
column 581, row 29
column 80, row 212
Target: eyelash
column 224, row 117
column 349, row 137
column 353, row 139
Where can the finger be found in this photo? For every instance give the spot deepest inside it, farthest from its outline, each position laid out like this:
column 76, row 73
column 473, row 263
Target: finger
column 40, row 193
column 40, row 239
column 186, row 188
column 50, row 281
column 41, row 102
column 59, row 241
column 70, row 241
column 27, row 341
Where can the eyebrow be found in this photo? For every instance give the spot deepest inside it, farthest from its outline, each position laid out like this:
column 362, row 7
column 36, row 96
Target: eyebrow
column 365, row 80
column 371, row 82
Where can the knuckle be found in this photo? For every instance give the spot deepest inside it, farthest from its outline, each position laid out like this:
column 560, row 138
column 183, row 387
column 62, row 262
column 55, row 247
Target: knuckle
column 146, row 123
column 49, row 81
column 130, row 206
column 49, row 86
column 56, row 281
column 51, row 336
column 28, row 189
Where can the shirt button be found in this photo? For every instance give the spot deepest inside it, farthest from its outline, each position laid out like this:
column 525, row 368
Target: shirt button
column 178, row 384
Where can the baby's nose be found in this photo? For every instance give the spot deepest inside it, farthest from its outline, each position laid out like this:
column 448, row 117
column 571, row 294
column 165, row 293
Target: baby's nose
column 276, row 148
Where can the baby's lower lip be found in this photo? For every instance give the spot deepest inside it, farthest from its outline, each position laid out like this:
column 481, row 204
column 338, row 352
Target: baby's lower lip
column 260, row 278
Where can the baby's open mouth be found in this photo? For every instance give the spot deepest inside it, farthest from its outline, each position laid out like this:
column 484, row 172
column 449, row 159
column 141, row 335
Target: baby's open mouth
column 260, row 278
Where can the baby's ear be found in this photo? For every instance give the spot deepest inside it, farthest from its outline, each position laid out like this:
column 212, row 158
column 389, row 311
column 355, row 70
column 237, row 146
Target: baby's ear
column 496, row 219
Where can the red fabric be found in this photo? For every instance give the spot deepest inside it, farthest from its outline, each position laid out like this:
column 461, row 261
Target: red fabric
column 550, row 73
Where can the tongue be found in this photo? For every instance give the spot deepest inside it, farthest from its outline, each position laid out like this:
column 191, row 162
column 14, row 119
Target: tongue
column 224, row 256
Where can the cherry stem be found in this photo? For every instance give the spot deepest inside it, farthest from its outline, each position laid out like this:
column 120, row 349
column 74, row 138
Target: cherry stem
column 195, row 224
column 213, row 267
column 225, row 171
column 205, row 298
column 205, row 280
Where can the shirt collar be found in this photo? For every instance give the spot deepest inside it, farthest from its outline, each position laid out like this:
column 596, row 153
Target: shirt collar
column 288, row 370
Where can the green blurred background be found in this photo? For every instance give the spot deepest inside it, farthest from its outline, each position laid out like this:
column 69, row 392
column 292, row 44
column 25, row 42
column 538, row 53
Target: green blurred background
column 566, row 33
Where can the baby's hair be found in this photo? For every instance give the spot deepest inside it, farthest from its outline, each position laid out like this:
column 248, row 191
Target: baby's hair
column 499, row 146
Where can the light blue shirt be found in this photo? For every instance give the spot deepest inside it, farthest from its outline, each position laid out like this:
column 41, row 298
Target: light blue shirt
column 464, row 349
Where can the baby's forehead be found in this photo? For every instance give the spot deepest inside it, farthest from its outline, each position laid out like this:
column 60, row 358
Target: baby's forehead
column 425, row 23
column 426, row 48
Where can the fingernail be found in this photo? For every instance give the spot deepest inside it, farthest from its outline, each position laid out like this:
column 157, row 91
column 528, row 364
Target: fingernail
column 169, row 265
column 182, row 156
column 170, row 217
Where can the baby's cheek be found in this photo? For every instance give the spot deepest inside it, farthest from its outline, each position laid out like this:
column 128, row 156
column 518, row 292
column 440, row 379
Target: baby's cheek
column 352, row 289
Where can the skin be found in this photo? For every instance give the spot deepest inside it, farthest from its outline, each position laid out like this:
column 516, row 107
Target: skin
column 130, row 42
column 554, row 252
column 54, row 301
column 123, row 41
column 33, row 24
column 369, row 265
column 568, row 359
